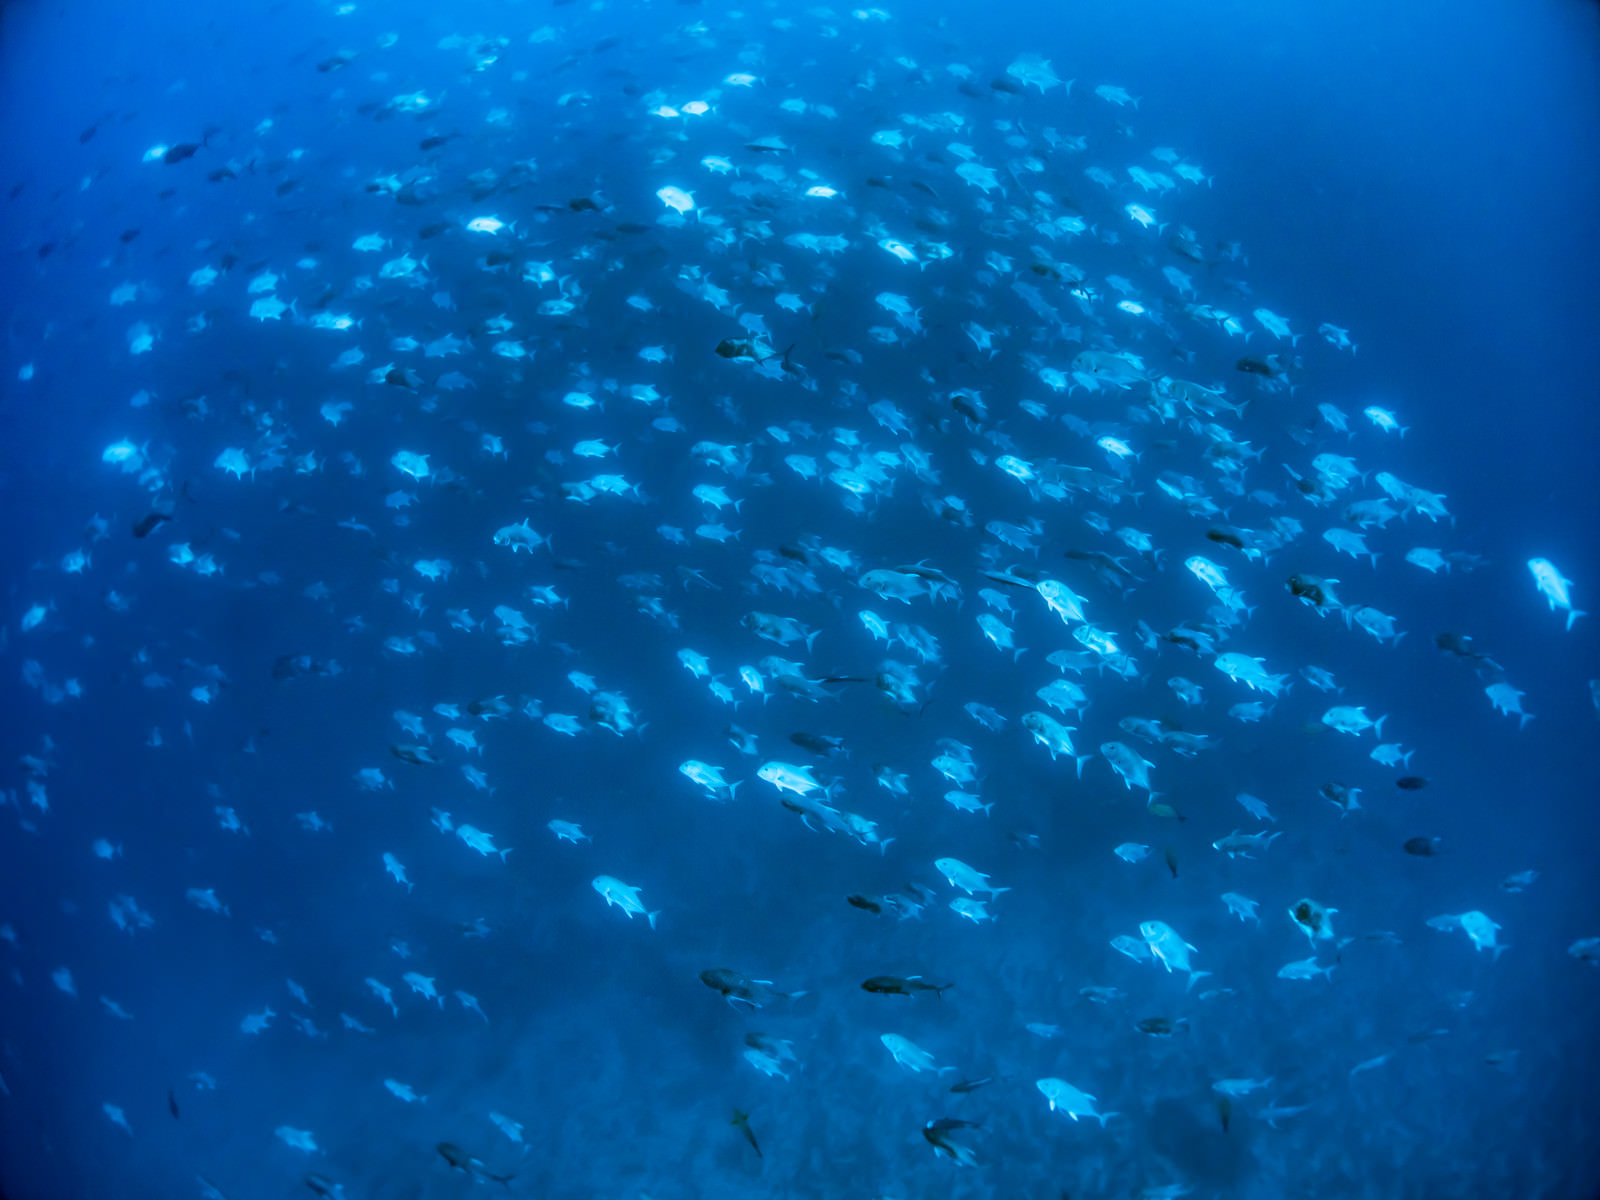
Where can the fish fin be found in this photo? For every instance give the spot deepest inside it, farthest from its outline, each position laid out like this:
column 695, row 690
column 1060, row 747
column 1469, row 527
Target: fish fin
column 651, row 916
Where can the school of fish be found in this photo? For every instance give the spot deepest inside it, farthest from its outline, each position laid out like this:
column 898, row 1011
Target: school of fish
column 890, row 471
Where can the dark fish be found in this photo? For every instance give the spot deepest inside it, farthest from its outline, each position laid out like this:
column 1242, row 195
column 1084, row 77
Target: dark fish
column 970, row 406
column 1002, row 84
column 1171, row 856
column 583, row 204
column 420, row 755
column 864, row 903
column 937, row 1136
column 88, row 134
column 287, row 186
column 1411, row 783
column 172, row 1104
column 971, row 1085
column 1268, row 367
column 433, row 230
column 149, row 522
column 432, row 143
column 1423, row 847
column 1224, row 1111
column 1460, row 645
column 893, row 985
column 288, row 666
column 324, row 1187
column 183, row 150
column 1224, row 537
column 1309, row 588
column 462, row 1161
column 127, row 235
column 742, row 1121
column 1162, row 1027
column 336, row 62
column 738, row 988
column 819, row 743
column 754, row 350
column 221, row 173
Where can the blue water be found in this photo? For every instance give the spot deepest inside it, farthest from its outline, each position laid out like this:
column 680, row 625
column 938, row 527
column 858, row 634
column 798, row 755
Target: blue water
column 1424, row 179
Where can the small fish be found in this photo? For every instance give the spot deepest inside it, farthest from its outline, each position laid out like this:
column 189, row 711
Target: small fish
column 741, row 1121
column 460, row 1160
column 893, row 985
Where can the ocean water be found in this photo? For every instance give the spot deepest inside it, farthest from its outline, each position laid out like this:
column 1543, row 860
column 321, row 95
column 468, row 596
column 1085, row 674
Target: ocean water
column 229, row 593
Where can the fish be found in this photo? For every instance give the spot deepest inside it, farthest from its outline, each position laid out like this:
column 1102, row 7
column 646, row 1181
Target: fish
column 937, row 1134
column 741, row 1120
column 614, row 891
column 1064, row 1098
column 933, row 340
column 1170, row 950
column 967, row 1086
column 1555, row 588
column 894, row 985
column 909, row 1055
column 738, row 988
column 460, row 1160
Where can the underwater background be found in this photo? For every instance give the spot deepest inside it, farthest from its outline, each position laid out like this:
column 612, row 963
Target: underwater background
column 398, row 401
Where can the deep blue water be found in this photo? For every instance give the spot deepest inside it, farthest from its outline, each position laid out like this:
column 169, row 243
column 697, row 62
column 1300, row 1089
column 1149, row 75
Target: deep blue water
column 1425, row 179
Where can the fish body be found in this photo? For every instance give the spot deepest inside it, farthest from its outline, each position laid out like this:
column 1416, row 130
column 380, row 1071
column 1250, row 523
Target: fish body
column 1170, row 950
column 1240, row 1087
column 966, row 878
column 1064, row 1098
column 422, row 985
column 1243, row 845
column 624, row 897
column 1478, row 927
column 708, row 777
column 403, row 1091
column 483, row 843
column 738, row 988
column 1133, row 769
column 911, row 1056
column 787, row 777
column 1242, row 906
column 395, row 867
column 566, row 831
column 1556, row 589
column 460, row 1160
column 893, row 985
